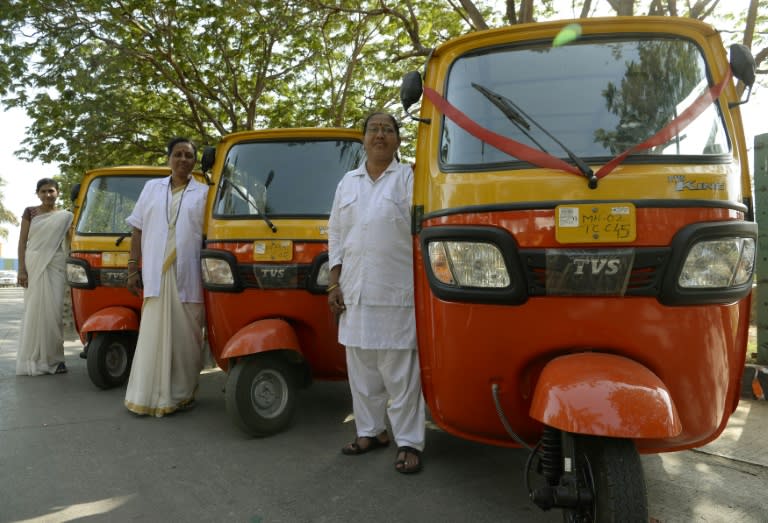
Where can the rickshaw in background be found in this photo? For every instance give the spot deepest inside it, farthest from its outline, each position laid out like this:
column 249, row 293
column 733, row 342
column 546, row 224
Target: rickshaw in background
column 583, row 250
column 265, row 267
column 106, row 315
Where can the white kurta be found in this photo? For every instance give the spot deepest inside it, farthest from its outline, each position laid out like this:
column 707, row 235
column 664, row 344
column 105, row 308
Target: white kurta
column 369, row 236
column 169, row 350
column 41, row 339
column 152, row 215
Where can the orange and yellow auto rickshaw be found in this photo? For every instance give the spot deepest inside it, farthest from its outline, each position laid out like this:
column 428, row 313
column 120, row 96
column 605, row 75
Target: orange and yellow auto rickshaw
column 106, row 315
column 265, row 267
column 583, row 247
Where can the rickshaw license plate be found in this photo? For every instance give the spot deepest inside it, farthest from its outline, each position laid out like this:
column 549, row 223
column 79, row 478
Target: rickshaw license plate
column 114, row 259
column 595, row 223
column 273, row 250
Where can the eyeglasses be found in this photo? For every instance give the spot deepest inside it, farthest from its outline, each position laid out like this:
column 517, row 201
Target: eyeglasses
column 376, row 129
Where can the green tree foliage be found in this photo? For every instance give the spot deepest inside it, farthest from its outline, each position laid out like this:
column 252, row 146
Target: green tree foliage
column 645, row 102
column 107, row 82
column 111, row 81
column 6, row 216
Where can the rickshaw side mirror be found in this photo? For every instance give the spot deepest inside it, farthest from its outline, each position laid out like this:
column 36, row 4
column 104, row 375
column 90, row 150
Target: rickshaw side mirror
column 74, row 192
column 744, row 68
column 411, row 90
column 208, row 159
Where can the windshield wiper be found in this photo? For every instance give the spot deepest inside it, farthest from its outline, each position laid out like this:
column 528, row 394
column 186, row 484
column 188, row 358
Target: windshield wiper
column 520, row 119
column 249, row 199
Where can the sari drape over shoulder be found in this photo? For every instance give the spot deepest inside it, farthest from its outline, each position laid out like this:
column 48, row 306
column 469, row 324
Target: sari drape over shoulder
column 41, row 339
column 169, row 350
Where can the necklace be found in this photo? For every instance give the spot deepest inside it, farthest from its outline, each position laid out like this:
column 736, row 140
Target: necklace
column 172, row 224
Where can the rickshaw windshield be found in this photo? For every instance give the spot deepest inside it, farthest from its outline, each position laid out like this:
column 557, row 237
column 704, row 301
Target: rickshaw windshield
column 598, row 97
column 284, row 178
column 108, row 202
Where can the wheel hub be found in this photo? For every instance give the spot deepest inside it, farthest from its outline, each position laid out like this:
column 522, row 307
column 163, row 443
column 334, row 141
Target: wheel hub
column 268, row 394
column 115, row 361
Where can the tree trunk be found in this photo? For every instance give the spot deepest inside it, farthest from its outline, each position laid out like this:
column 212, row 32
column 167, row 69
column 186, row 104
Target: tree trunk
column 477, row 19
column 623, row 7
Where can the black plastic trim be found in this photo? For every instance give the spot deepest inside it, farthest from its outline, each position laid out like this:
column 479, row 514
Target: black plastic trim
column 89, row 273
column 314, row 271
column 515, row 294
column 233, row 267
column 551, row 204
column 645, row 277
column 673, row 294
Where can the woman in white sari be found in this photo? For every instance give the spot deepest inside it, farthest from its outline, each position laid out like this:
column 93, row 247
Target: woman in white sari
column 43, row 248
column 167, row 237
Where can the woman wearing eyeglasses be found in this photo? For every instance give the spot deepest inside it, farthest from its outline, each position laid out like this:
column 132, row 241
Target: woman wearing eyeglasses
column 371, row 295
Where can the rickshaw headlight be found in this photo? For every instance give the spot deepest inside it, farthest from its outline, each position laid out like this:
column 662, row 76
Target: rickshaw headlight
column 468, row 264
column 217, row 271
column 77, row 275
column 720, row 263
column 323, row 275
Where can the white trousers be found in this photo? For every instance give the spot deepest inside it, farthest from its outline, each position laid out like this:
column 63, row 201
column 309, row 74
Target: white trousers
column 378, row 377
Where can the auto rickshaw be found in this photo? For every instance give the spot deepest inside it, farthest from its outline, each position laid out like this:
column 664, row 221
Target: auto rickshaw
column 265, row 267
column 106, row 315
column 583, row 247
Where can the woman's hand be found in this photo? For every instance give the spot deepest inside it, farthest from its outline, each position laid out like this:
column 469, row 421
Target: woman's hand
column 22, row 278
column 336, row 302
column 133, row 283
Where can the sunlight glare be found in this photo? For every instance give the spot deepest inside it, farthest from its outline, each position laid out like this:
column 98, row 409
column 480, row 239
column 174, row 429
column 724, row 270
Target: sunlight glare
column 82, row 510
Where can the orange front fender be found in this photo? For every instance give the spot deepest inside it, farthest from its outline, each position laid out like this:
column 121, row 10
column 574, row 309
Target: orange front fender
column 261, row 336
column 111, row 319
column 604, row 395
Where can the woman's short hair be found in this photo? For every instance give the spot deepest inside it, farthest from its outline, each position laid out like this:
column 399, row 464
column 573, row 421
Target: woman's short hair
column 46, row 181
column 180, row 139
column 395, row 123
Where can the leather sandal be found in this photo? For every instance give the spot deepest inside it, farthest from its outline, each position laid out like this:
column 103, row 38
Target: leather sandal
column 401, row 465
column 374, row 442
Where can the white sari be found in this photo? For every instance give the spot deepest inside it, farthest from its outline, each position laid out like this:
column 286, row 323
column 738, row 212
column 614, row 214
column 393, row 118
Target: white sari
column 169, row 350
column 41, row 339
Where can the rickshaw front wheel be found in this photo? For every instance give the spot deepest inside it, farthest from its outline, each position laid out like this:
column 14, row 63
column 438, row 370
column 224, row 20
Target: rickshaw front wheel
column 612, row 470
column 109, row 357
column 260, row 395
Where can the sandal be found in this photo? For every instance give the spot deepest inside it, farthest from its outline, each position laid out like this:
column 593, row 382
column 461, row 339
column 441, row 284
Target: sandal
column 401, row 463
column 374, row 442
column 61, row 369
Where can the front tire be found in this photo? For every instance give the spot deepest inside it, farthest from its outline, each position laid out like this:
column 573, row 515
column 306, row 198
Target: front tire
column 612, row 469
column 261, row 395
column 109, row 358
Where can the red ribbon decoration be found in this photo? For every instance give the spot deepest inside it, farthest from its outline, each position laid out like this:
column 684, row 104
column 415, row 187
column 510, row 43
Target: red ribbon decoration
column 542, row 159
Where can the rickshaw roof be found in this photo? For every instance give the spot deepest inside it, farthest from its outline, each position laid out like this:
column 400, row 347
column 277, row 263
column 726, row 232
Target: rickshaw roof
column 136, row 170
column 299, row 133
column 589, row 26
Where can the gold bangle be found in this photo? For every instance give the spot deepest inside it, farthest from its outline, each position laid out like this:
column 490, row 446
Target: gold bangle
column 132, row 274
column 331, row 287
column 133, row 261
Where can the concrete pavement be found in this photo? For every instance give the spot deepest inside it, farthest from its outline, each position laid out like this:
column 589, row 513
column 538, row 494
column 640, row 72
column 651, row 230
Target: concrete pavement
column 72, row 452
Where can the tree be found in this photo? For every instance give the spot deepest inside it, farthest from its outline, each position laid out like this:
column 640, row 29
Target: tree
column 6, row 216
column 107, row 82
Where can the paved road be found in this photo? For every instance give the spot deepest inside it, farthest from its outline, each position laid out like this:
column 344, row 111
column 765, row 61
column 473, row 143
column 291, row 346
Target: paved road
column 71, row 452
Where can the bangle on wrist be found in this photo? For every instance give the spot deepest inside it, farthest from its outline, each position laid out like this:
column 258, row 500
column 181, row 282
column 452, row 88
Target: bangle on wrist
column 331, row 287
column 132, row 274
